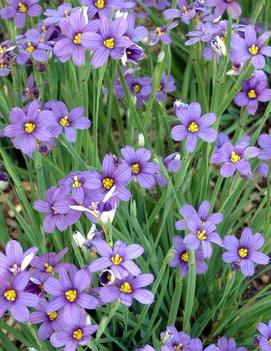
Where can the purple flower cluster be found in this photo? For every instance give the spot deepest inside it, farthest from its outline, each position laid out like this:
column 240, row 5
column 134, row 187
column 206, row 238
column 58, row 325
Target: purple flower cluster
column 38, row 125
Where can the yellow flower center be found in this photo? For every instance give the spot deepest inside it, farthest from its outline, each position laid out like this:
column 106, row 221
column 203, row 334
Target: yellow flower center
column 117, row 259
column 48, row 268
column 43, row 28
column 178, row 346
column 235, row 157
column 30, row 48
column 100, row 4
column 252, row 94
column 22, row 7
column 243, row 252
column 2, row 65
column 193, row 127
column 29, row 127
column 135, row 168
column 136, row 88
column 253, row 49
column 159, row 32
column 64, row 122
column 269, row 341
column 77, row 334
column 185, row 257
column 126, row 288
column 76, row 183
column 201, row 234
column 52, row 315
column 108, row 183
column 77, row 39
column 71, row 295
column 3, row 49
column 138, row 8
column 109, row 43
column 10, row 295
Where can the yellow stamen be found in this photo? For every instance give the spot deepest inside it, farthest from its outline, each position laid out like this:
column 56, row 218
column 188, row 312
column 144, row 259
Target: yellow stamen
column 22, row 7
column 109, row 43
column 77, row 334
column 138, row 8
column 29, row 127
column 100, row 4
column 136, row 88
column 253, row 49
column 71, row 295
column 178, row 347
column 201, row 234
column 66, row 13
column 235, row 157
column 135, row 168
column 3, row 49
column 117, row 259
column 126, row 288
column 43, row 28
column 193, row 127
column 185, row 257
column 77, row 39
column 48, row 268
column 159, row 32
column 269, row 341
column 52, row 315
column 252, row 94
column 108, row 183
column 64, row 122
column 30, row 48
column 3, row 65
column 243, row 252
column 10, row 295
column 76, row 183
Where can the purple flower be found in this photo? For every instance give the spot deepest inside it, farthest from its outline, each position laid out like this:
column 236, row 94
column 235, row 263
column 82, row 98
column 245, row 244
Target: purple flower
column 133, row 54
column 181, row 258
column 135, row 34
column 18, row 9
column 251, row 47
column 228, row 345
column 201, row 234
column 119, row 258
column 186, row 12
column 167, row 85
column 28, row 128
column 14, row 298
column 112, row 177
column 49, row 321
column 172, row 162
column 265, row 337
column 55, row 16
column 79, row 184
column 48, row 264
column 68, row 292
column 67, row 122
column 173, row 340
column 141, row 87
column 30, row 91
column 194, row 126
column 57, row 208
column 102, row 8
column 6, row 61
column 188, row 211
column 204, row 32
column 244, row 251
column 128, row 289
column 161, row 33
column 254, row 91
column 76, row 38
column 110, row 42
column 15, row 260
column 74, row 331
column 231, row 6
column 140, row 166
column 265, row 143
column 33, row 45
column 234, row 158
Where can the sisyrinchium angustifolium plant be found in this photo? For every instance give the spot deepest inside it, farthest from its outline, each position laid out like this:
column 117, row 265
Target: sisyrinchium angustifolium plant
column 142, row 131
